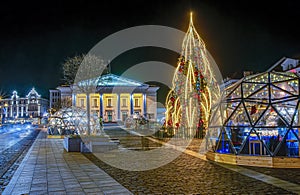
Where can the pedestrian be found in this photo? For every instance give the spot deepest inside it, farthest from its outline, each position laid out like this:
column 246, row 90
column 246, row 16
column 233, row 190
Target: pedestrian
column 101, row 122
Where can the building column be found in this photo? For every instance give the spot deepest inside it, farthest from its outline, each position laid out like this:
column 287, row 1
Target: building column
column 88, row 102
column 26, row 110
column 39, row 110
column 50, row 99
column 22, row 111
column 144, row 104
column 17, row 106
column 11, row 111
column 131, row 104
column 101, row 105
column 119, row 106
column 73, row 99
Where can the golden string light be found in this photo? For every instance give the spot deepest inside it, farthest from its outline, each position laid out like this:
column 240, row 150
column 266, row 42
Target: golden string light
column 188, row 103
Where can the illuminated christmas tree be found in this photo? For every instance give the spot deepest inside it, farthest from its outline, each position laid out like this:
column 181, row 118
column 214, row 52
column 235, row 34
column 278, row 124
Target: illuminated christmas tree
column 194, row 87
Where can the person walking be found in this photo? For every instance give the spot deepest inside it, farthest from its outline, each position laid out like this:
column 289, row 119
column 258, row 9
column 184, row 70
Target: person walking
column 101, row 122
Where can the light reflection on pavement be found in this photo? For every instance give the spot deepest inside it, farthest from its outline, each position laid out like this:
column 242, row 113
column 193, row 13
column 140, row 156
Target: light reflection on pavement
column 11, row 134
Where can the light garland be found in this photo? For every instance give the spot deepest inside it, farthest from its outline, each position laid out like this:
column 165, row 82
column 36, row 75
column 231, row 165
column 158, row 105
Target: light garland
column 188, row 103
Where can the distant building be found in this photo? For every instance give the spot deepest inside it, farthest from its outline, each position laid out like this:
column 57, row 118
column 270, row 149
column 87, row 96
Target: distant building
column 286, row 65
column 283, row 65
column 290, row 64
column 62, row 95
column 30, row 106
column 230, row 81
column 114, row 98
column 227, row 82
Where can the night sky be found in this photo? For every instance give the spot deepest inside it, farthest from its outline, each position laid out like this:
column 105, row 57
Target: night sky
column 36, row 37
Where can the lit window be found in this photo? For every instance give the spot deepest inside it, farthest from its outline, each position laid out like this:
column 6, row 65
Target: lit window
column 109, row 102
column 124, row 102
column 136, row 102
column 95, row 103
column 82, row 103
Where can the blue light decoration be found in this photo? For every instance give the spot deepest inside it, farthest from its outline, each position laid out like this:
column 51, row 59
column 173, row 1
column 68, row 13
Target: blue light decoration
column 224, row 145
column 292, row 143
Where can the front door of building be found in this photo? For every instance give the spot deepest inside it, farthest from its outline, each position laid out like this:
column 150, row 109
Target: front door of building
column 124, row 116
column 109, row 116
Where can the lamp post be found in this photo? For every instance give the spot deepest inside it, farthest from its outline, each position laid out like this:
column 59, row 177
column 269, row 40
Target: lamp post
column 1, row 115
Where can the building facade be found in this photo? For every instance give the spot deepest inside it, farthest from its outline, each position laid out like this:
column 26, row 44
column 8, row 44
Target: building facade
column 61, row 96
column 114, row 98
column 30, row 106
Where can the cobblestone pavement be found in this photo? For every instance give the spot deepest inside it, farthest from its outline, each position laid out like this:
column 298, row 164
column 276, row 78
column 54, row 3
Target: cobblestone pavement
column 11, row 157
column 48, row 169
column 184, row 175
column 291, row 175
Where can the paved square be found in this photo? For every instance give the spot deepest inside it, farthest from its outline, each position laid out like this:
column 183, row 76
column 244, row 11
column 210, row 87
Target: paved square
column 48, row 169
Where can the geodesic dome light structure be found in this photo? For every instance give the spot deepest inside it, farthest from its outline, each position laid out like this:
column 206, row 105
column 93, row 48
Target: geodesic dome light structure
column 73, row 120
column 135, row 120
column 259, row 116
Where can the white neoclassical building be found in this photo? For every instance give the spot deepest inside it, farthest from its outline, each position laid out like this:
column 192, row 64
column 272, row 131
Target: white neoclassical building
column 113, row 97
column 30, row 106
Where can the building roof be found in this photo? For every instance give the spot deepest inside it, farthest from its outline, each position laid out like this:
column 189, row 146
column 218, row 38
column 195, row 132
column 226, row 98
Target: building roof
column 263, row 78
column 111, row 80
column 285, row 64
column 30, row 93
column 33, row 92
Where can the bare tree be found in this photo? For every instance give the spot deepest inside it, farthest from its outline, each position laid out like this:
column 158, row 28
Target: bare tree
column 65, row 102
column 70, row 67
column 82, row 74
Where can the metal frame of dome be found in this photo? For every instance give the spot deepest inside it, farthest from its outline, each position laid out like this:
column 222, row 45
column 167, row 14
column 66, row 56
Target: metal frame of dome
column 258, row 116
column 73, row 120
